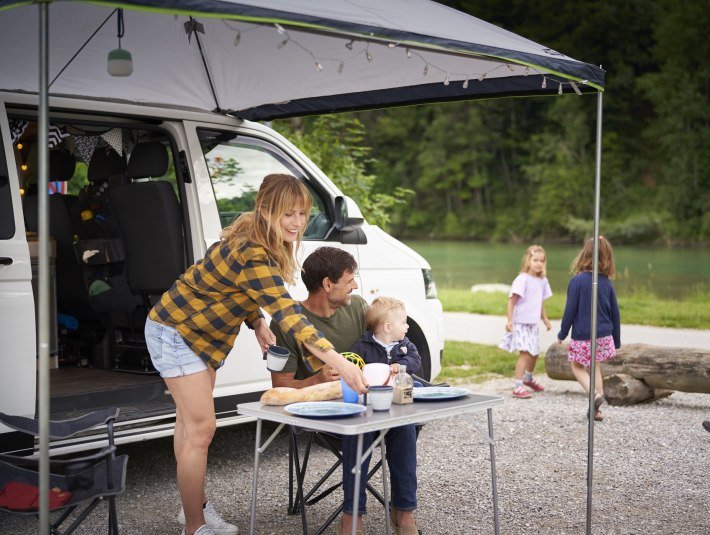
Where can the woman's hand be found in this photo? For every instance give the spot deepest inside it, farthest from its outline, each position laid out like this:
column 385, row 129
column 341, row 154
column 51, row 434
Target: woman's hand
column 352, row 375
column 264, row 336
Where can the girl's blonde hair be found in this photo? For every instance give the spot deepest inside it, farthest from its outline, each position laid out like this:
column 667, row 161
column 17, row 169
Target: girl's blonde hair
column 585, row 259
column 277, row 195
column 527, row 259
column 376, row 314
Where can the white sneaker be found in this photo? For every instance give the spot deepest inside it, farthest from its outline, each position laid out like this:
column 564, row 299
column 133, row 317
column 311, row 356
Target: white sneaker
column 204, row 529
column 214, row 522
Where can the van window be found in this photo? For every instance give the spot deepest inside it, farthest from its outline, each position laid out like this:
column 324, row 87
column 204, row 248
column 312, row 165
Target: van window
column 238, row 164
column 7, row 218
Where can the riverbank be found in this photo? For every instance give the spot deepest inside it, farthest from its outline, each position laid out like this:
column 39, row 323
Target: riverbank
column 486, row 329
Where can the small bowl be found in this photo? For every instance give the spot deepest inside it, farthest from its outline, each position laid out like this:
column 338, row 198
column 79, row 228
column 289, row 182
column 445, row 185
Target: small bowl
column 376, row 373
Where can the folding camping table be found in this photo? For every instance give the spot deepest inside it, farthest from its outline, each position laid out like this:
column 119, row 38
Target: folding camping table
column 368, row 421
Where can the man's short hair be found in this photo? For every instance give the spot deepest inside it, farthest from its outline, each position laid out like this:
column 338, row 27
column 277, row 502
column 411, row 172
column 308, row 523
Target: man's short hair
column 325, row 262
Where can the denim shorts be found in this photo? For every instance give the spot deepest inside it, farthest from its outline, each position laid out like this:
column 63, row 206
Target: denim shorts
column 170, row 354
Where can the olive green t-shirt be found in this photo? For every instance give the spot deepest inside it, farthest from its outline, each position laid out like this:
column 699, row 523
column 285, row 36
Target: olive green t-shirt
column 342, row 329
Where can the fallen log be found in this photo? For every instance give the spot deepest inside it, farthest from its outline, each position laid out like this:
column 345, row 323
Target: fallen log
column 667, row 368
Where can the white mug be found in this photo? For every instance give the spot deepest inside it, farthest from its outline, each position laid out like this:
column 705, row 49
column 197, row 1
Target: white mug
column 276, row 357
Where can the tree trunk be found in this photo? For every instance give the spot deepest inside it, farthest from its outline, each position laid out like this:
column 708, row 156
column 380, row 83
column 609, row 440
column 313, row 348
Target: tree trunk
column 668, row 368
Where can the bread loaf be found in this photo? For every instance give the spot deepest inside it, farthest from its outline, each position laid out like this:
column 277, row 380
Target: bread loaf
column 283, row 395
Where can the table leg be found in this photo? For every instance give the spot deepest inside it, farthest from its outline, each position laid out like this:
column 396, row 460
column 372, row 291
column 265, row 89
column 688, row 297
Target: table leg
column 252, row 518
column 494, row 484
column 300, row 474
column 385, row 489
column 356, row 493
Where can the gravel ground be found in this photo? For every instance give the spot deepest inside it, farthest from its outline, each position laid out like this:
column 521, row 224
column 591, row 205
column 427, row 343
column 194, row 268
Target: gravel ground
column 651, row 472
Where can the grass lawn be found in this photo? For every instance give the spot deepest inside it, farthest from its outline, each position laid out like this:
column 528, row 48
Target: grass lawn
column 639, row 309
column 464, row 362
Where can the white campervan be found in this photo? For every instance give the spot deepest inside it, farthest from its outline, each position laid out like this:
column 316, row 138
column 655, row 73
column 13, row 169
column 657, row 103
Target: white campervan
column 138, row 195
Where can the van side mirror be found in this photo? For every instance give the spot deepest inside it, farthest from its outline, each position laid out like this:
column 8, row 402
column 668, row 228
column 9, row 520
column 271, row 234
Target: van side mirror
column 347, row 214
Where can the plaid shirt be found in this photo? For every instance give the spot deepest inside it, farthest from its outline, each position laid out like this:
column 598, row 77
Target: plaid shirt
column 209, row 302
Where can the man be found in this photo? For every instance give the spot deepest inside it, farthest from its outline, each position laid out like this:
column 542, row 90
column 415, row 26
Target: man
column 329, row 276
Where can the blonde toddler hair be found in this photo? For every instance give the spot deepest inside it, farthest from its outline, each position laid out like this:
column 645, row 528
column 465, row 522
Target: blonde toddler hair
column 377, row 313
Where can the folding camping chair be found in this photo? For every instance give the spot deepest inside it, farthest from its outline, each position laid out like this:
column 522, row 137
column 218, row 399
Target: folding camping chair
column 297, row 469
column 74, row 481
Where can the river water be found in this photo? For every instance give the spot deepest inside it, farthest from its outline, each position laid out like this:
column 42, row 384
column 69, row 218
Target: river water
column 667, row 273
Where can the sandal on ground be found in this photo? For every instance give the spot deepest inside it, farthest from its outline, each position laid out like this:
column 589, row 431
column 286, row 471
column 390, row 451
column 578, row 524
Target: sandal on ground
column 598, row 416
column 401, row 530
column 598, row 402
column 339, row 530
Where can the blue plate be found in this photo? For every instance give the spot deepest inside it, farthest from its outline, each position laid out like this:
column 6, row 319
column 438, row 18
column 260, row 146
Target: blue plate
column 324, row 409
column 438, row 393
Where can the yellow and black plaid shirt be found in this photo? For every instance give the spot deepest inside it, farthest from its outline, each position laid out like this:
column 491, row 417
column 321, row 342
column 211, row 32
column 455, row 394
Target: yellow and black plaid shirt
column 209, row 302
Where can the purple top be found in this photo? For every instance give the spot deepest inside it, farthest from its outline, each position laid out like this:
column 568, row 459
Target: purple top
column 532, row 291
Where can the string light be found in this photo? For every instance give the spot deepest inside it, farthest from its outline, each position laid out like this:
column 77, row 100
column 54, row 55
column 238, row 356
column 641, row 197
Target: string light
column 447, row 76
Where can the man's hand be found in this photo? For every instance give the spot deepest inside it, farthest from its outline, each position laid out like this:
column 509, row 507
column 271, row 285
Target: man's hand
column 264, row 336
column 328, row 373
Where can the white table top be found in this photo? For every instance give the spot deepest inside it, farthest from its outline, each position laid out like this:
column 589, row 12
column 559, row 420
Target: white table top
column 412, row 413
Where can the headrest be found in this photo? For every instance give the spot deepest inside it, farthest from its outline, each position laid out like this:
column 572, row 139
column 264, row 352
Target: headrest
column 149, row 159
column 61, row 165
column 104, row 164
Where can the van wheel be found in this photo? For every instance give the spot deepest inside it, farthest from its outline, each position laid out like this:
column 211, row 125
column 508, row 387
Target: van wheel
column 416, row 336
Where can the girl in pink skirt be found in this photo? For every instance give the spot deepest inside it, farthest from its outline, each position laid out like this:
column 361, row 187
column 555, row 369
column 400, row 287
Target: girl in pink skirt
column 526, row 307
column 578, row 316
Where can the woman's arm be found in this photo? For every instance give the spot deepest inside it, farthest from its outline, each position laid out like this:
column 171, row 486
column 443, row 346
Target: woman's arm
column 350, row 373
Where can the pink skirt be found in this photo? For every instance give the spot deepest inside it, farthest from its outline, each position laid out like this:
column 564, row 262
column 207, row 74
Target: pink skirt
column 580, row 350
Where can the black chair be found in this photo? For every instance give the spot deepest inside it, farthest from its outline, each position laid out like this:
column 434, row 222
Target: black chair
column 297, row 472
column 77, row 482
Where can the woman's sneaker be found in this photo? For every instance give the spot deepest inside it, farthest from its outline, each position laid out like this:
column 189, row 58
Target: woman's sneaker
column 215, row 523
column 521, row 392
column 532, row 383
column 204, row 529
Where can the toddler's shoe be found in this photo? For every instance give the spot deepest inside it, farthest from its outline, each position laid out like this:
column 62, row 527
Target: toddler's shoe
column 532, row 383
column 521, row 392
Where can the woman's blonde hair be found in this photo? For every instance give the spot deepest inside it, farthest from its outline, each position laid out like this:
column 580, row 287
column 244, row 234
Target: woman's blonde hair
column 527, row 259
column 376, row 314
column 585, row 259
column 277, row 195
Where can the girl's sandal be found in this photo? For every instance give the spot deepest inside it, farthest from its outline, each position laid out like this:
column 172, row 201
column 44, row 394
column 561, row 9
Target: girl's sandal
column 598, row 416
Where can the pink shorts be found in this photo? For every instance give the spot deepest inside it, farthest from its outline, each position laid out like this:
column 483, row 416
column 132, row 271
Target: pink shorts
column 579, row 350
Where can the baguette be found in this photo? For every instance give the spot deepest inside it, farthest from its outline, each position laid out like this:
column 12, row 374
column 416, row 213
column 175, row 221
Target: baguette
column 284, row 395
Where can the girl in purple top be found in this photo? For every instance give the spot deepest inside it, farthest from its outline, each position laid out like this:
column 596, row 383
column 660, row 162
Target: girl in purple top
column 526, row 306
column 578, row 316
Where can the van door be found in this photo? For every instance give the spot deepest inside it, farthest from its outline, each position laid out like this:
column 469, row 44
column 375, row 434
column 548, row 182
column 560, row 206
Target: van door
column 17, row 320
column 229, row 166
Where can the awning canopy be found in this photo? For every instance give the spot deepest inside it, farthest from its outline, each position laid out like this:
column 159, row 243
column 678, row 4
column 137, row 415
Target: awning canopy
column 280, row 58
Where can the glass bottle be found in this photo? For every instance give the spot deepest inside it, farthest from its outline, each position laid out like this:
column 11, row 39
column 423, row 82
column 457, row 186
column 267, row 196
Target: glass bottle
column 403, row 387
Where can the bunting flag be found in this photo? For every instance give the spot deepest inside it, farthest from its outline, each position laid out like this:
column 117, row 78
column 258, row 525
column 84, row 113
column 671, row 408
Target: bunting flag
column 17, row 128
column 85, row 146
column 114, row 137
column 56, row 134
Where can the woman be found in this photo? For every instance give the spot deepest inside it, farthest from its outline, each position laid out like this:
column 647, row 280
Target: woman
column 193, row 327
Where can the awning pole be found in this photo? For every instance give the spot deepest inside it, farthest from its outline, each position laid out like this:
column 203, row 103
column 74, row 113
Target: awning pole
column 43, row 231
column 593, row 330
